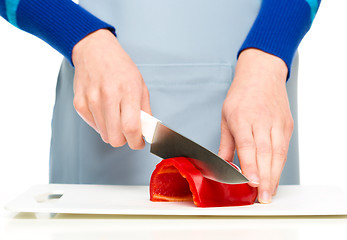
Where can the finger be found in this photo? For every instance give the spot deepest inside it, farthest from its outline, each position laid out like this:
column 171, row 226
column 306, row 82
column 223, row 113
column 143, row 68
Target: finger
column 264, row 157
column 98, row 115
column 246, row 152
column 145, row 102
column 227, row 144
column 279, row 155
column 82, row 109
column 89, row 119
column 131, row 123
column 275, row 191
column 113, row 124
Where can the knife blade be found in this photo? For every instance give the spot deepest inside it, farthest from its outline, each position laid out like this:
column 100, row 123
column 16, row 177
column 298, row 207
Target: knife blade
column 166, row 143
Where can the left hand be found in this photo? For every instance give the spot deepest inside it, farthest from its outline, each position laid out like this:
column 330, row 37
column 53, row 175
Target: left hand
column 256, row 120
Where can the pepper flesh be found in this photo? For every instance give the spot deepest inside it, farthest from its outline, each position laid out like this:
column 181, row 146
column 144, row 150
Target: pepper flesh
column 177, row 179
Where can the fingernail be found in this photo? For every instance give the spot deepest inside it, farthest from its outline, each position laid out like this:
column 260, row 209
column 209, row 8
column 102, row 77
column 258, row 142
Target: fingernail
column 265, row 197
column 254, row 179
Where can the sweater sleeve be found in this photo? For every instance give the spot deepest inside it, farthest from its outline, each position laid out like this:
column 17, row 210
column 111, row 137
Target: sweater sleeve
column 280, row 27
column 60, row 23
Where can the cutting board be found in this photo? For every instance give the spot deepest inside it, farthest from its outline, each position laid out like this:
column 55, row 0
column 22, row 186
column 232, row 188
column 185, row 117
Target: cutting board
column 134, row 200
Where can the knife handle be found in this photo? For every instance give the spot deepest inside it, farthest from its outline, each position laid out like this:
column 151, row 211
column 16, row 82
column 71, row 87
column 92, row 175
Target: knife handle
column 148, row 126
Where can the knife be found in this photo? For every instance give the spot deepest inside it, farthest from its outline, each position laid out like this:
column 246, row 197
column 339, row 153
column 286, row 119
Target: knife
column 166, row 143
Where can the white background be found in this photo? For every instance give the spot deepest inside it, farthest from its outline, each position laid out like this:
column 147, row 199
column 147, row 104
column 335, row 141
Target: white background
column 29, row 68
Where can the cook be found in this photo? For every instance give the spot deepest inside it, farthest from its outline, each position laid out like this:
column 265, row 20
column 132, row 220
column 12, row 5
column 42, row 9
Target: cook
column 215, row 71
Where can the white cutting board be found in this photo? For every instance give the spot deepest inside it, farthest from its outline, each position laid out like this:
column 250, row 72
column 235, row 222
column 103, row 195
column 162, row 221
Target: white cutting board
column 134, row 200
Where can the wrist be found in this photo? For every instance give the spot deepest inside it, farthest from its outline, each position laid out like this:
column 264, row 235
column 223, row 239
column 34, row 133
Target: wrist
column 258, row 65
column 90, row 42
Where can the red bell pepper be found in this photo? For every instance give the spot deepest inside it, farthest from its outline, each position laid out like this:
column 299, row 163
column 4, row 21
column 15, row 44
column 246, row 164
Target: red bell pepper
column 177, row 179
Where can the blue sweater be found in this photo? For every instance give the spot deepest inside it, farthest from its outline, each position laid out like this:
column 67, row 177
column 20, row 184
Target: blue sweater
column 278, row 29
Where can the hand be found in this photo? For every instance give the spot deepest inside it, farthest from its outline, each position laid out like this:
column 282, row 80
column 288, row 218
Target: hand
column 256, row 120
column 109, row 89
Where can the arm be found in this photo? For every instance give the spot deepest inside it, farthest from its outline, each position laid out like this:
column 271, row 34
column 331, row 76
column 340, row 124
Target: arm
column 256, row 118
column 280, row 27
column 100, row 89
column 60, row 23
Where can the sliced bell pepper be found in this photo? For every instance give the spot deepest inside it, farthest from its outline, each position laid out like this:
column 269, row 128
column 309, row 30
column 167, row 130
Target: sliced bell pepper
column 177, row 179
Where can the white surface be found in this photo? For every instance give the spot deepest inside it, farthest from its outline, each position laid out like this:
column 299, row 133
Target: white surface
column 29, row 68
column 148, row 125
column 106, row 227
column 134, row 200
column 66, row 227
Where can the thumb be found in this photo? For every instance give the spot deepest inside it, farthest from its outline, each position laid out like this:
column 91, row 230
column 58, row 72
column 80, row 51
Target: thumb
column 227, row 143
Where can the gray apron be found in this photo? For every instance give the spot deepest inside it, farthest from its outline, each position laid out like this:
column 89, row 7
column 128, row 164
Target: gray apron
column 186, row 51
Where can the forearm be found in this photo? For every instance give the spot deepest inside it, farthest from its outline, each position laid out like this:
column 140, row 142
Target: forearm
column 60, row 23
column 280, row 27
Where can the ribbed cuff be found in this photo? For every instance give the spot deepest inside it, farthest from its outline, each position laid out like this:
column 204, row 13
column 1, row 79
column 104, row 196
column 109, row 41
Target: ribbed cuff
column 279, row 28
column 60, row 23
column 3, row 9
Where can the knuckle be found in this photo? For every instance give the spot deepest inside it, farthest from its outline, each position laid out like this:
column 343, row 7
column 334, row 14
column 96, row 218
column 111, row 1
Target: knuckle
column 130, row 128
column 134, row 89
column 109, row 93
column 263, row 147
column 249, row 166
column 104, row 137
column 106, row 93
column 93, row 98
column 265, row 185
column 237, row 124
column 237, row 117
column 79, row 104
column 245, row 143
column 265, row 181
column 280, row 151
column 117, row 141
column 240, row 122
column 290, row 124
column 226, row 106
column 136, row 146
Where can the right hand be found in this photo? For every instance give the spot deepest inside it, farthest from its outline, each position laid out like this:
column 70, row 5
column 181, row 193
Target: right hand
column 109, row 89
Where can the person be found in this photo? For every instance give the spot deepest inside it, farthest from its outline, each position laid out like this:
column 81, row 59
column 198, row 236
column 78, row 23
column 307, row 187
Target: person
column 215, row 71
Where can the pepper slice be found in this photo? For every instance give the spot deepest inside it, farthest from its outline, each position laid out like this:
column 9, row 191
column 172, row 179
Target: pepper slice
column 177, row 179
